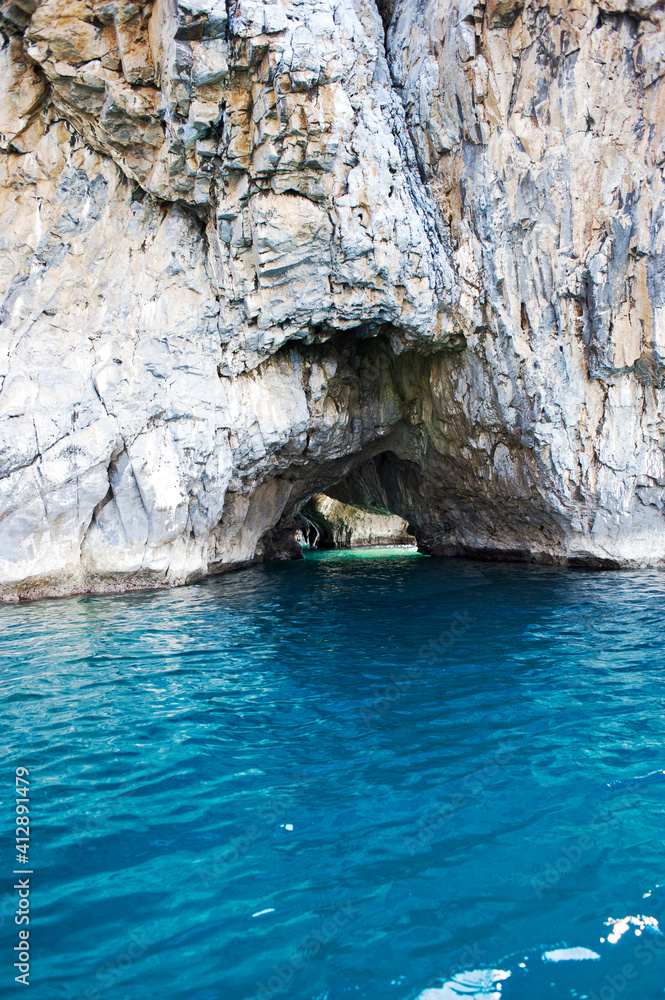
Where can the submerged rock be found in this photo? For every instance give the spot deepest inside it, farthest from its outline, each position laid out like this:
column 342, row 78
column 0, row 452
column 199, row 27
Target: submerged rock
column 256, row 251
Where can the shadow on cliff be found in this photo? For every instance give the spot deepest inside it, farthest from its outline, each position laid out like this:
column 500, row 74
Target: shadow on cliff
column 396, row 437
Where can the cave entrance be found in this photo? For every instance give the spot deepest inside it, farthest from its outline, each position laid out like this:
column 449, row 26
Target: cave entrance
column 359, row 510
column 331, row 524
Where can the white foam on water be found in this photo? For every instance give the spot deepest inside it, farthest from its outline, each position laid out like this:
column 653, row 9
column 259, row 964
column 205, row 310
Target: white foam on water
column 638, row 923
column 570, row 955
column 477, row 984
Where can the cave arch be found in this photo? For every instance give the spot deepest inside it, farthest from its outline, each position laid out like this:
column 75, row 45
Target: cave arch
column 401, row 433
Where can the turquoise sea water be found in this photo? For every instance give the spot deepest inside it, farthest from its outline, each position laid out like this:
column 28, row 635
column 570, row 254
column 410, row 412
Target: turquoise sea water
column 357, row 777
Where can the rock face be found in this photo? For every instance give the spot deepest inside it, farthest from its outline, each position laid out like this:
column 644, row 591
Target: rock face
column 329, row 524
column 251, row 251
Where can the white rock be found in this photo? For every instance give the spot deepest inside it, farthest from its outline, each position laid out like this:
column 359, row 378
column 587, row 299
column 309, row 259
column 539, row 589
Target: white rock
column 245, row 261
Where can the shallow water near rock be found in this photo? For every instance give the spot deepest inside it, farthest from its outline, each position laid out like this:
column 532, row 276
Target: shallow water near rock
column 364, row 775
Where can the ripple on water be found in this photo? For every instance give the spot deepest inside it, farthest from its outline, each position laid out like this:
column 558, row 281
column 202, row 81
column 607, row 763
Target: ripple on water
column 365, row 775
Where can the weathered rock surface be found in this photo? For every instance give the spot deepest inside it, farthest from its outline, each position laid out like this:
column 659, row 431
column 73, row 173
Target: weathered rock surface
column 412, row 257
column 327, row 523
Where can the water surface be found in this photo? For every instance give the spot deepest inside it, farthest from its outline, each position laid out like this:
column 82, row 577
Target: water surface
column 364, row 776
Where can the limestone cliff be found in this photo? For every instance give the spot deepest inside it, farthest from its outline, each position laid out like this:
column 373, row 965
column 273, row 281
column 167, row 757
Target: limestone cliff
column 252, row 251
